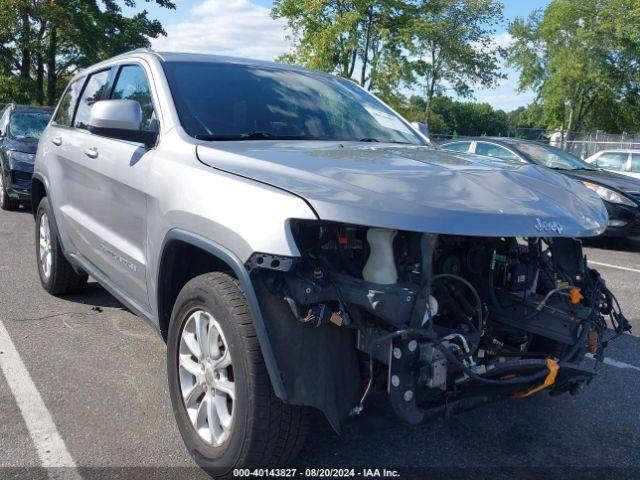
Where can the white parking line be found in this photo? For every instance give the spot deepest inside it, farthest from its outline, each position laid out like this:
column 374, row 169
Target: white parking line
column 608, row 265
column 51, row 449
column 616, row 363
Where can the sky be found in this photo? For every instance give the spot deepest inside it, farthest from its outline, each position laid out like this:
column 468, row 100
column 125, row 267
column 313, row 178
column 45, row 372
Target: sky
column 244, row 28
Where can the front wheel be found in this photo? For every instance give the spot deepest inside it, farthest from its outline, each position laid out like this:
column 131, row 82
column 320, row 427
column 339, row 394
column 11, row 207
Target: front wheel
column 225, row 407
column 6, row 202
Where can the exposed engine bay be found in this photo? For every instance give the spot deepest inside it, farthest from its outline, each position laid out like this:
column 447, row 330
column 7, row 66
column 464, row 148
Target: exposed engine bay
column 442, row 323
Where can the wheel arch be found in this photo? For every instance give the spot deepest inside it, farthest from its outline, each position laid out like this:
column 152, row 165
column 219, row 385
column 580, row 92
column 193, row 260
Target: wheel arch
column 209, row 256
column 38, row 191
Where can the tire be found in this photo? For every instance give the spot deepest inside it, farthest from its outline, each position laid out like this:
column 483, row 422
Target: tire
column 263, row 431
column 57, row 275
column 6, row 202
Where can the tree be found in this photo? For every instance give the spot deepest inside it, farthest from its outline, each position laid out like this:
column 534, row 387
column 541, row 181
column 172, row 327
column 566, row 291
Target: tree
column 582, row 58
column 451, row 45
column 527, row 122
column 351, row 38
column 463, row 118
column 42, row 41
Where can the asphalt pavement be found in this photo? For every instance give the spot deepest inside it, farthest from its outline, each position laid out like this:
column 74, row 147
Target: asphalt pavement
column 99, row 372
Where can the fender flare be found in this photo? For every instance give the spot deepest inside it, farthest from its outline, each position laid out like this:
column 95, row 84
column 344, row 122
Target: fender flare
column 229, row 258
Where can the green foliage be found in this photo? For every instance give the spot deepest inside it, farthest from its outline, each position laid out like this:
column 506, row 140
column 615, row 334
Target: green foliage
column 43, row 42
column 451, row 44
column 335, row 35
column 582, row 59
column 387, row 45
column 451, row 117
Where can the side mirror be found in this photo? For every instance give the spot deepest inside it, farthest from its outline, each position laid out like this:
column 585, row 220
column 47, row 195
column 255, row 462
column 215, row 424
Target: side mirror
column 422, row 128
column 120, row 119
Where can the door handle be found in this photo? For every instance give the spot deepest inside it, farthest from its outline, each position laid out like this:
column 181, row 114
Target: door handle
column 57, row 141
column 91, row 152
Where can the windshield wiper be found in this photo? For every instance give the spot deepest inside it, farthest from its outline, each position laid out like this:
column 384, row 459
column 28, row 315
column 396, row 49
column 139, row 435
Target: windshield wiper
column 253, row 136
column 375, row 140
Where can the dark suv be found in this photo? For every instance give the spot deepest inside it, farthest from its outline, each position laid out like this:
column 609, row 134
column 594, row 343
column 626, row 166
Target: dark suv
column 20, row 129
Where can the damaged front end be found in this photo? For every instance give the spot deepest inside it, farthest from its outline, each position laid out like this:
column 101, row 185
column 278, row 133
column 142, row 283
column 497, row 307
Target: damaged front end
column 443, row 323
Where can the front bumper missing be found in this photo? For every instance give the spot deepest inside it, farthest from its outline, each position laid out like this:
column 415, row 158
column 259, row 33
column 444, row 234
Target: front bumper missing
column 414, row 402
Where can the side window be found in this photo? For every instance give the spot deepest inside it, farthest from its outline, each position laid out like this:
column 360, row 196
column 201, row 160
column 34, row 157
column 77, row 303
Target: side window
column 93, row 91
column 496, row 151
column 68, row 104
column 613, row 161
column 132, row 84
column 635, row 163
column 457, row 147
column 4, row 121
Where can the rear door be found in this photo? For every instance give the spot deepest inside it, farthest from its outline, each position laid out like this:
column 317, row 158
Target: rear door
column 114, row 211
column 613, row 161
column 635, row 165
column 494, row 150
column 56, row 149
column 461, row 147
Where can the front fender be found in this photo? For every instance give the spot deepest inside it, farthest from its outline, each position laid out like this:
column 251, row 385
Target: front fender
column 238, row 268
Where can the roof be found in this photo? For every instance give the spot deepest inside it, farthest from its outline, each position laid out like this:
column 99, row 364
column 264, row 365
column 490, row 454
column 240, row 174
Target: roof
column 505, row 140
column 34, row 109
column 620, row 150
column 28, row 108
column 207, row 58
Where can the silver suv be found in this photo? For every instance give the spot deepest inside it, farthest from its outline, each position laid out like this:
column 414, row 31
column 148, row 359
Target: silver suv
column 299, row 245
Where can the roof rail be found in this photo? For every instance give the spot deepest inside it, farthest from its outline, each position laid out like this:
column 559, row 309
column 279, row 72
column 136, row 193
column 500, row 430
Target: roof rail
column 140, row 50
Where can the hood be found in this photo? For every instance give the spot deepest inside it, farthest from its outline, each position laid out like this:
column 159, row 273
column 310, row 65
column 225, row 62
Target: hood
column 25, row 145
column 417, row 188
column 608, row 179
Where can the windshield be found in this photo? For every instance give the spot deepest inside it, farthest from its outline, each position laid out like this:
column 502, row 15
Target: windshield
column 28, row 125
column 553, row 158
column 241, row 102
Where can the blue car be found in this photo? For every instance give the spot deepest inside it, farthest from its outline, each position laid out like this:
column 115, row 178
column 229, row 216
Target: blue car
column 620, row 194
column 20, row 130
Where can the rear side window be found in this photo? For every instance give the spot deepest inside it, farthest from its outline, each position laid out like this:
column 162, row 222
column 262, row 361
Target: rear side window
column 457, row 147
column 490, row 150
column 93, row 91
column 132, row 84
column 4, row 121
column 613, row 161
column 67, row 105
column 635, row 163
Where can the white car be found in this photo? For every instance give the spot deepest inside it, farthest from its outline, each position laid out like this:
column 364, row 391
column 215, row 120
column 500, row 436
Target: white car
column 626, row 162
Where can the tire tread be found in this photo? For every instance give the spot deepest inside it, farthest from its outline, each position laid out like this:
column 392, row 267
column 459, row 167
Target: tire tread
column 276, row 432
column 281, row 434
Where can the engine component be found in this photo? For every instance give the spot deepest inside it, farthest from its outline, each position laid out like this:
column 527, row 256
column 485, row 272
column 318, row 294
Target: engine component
column 381, row 265
column 448, row 323
column 553, row 321
column 391, row 303
column 434, row 372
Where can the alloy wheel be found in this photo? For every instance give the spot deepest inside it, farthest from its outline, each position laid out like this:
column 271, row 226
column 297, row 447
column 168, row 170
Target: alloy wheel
column 2, row 194
column 45, row 246
column 206, row 378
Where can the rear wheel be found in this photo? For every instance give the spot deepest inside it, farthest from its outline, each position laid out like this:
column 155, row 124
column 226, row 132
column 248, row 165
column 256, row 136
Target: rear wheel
column 6, row 202
column 225, row 407
column 57, row 275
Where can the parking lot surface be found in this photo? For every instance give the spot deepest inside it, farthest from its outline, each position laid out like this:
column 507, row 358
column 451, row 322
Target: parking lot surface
column 99, row 373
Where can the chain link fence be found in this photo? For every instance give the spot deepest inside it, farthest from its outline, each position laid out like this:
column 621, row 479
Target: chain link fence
column 584, row 145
